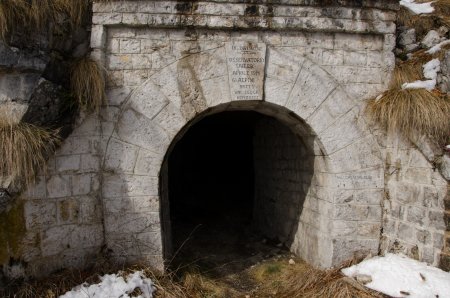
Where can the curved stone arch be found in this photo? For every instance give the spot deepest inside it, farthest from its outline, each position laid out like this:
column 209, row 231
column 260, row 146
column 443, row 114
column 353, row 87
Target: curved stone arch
column 348, row 179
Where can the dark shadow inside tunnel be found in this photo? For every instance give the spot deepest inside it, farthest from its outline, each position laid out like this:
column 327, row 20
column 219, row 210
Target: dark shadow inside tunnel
column 235, row 183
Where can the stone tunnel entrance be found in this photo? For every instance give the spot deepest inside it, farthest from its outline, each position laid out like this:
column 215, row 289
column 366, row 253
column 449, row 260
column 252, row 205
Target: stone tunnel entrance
column 236, row 184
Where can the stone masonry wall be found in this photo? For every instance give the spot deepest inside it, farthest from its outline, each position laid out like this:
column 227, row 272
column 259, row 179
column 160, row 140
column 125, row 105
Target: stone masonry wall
column 167, row 65
column 64, row 211
column 413, row 220
column 283, row 172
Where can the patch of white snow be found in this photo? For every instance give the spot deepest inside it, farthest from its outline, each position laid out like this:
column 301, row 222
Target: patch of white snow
column 400, row 276
column 430, row 70
column 114, row 286
column 417, row 8
column 438, row 47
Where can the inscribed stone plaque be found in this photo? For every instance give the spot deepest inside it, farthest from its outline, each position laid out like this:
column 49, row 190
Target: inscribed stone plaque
column 246, row 61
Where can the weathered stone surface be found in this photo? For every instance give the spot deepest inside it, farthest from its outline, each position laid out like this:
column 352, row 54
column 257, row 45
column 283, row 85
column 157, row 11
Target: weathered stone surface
column 48, row 107
column 5, row 199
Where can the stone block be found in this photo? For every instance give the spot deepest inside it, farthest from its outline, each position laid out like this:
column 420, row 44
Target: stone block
column 431, row 197
column 129, row 185
column 389, row 226
column 82, row 184
column 130, row 223
column 343, row 132
column 90, row 163
column 416, row 215
column 418, row 175
column 59, row 239
column 114, row 79
column 363, row 197
column 353, row 42
column 357, row 212
column 91, row 210
column 146, row 204
column 423, row 236
column 437, row 220
column 130, row 46
column 118, row 205
column 59, row 186
column 39, row 214
column 355, row 58
column 438, row 241
column 120, row 157
column 106, row 18
column 37, row 189
column 406, row 232
column 328, row 112
column 407, row 193
column 68, row 211
column 148, row 163
column 135, row 128
column 135, row 77
column 98, row 36
column 116, row 96
column 68, row 163
column 427, row 255
column 120, row 62
column 346, row 249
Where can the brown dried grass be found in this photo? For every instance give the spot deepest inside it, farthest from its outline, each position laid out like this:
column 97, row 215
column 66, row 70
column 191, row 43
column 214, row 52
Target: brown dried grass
column 426, row 22
column 299, row 280
column 36, row 14
column 23, row 149
column 413, row 112
column 313, row 283
column 88, row 84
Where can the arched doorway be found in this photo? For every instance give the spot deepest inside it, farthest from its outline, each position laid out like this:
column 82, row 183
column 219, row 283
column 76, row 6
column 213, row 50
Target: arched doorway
column 234, row 179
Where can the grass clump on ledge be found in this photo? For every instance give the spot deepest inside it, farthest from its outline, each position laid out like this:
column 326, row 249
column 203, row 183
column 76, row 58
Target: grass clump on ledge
column 413, row 112
column 35, row 14
column 23, row 149
column 88, row 84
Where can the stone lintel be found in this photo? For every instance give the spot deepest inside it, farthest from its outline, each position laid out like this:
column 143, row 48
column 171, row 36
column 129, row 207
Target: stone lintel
column 366, row 17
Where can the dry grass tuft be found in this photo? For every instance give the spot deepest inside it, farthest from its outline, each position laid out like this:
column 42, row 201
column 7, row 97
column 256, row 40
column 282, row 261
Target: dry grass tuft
column 299, row 280
column 426, row 22
column 23, row 148
column 88, row 84
column 443, row 10
column 413, row 112
column 306, row 281
column 35, row 14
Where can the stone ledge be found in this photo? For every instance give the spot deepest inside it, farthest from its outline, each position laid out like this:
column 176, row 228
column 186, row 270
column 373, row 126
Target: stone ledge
column 381, row 4
column 312, row 24
column 293, row 16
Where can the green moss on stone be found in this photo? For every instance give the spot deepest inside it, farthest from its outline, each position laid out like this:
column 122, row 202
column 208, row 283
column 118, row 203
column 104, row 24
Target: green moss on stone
column 12, row 231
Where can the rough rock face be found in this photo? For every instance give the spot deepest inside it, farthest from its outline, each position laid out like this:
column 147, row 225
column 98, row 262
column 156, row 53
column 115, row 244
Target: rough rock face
column 34, row 84
column 5, row 199
column 444, row 75
column 49, row 106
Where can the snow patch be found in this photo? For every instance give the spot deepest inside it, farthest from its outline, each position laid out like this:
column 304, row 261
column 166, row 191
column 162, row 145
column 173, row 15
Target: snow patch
column 114, row 286
column 400, row 276
column 417, row 8
column 438, row 47
column 430, row 70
